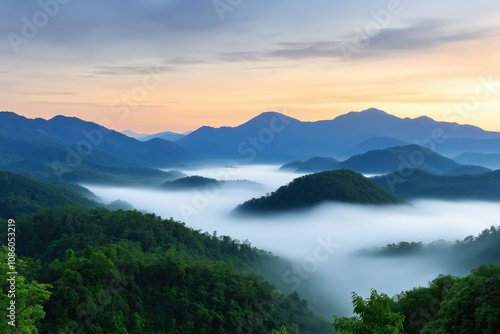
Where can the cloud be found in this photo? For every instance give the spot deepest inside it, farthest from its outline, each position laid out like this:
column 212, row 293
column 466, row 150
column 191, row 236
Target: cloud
column 131, row 70
column 421, row 36
column 187, row 61
column 417, row 37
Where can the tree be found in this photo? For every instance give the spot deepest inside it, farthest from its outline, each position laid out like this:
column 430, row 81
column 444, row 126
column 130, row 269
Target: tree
column 374, row 316
column 294, row 329
column 28, row 299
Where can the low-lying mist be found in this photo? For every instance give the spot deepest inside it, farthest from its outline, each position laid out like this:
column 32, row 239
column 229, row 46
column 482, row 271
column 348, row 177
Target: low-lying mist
column 320, row 242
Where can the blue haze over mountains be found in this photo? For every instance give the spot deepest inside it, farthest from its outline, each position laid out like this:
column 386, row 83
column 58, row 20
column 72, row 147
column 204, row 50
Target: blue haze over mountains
column 270, row 137
column 342, row 137
column 32, row 146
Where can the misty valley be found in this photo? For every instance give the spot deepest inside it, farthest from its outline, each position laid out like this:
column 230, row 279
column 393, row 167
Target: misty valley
column 249, row 167
column 326, row 276
column 337, row 230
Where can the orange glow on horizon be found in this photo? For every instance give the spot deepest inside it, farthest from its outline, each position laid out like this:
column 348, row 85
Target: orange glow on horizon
column 228, row 95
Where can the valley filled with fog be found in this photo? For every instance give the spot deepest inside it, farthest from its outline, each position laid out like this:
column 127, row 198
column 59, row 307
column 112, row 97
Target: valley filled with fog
column 319, row 243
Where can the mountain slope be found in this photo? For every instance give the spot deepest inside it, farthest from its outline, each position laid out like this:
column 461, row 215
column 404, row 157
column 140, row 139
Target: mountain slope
column 337, row 186
column 25, row 195
column 128, row 272
column 375, row 143
column 168, row 135
column 274, row 137
column 88, row 137
column 388, row 160
column 313, row 165
column 487, row 160
column 421, row 184
column 398, row 158
column 196, row 182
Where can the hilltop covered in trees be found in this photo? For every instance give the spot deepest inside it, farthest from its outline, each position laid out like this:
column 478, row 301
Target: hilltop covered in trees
column 116, row 271
column 335, row 186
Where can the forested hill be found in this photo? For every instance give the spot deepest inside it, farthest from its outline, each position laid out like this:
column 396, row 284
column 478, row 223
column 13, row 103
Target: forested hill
column 128, row 272
column 338, row 186
column 464, row 254
column 195, row 181
column 420, row 184
column 20, row 194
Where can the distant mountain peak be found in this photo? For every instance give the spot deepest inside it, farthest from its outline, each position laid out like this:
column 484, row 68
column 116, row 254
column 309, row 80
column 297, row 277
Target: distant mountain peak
column 374, row 111
column 271, row 114
column 266, row 117
column 367, row 113
column 11, row 115
column 62, row 117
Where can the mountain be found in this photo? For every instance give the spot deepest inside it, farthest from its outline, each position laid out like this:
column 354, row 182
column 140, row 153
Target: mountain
column 334, row 186
column 269, row 137
column 81, row 138
column 21, row 194
column 169, row 136
column 316, row 164
column 133, row 134
column 123, row 176
column 69, row 149
column 487, row 160
column 453, row 147
column 259, row 139
column 421, row 184
column 196, row 182
column 375, row 143
column 54, row 162
column 274, row 137
column 468, row 169
column 401, row 157
column 388, row 160
column 292, row 166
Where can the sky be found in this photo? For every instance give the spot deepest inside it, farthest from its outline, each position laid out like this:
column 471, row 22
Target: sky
column 158, row 65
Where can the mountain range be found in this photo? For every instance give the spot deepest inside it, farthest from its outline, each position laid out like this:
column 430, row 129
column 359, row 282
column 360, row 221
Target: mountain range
column 388, row 160
column 274, row 137
column 85, row 151
column 82, row 151
column 167, row 135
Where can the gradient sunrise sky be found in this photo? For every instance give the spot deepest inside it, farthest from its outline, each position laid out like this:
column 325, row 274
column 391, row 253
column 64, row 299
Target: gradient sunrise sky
column 157, row 65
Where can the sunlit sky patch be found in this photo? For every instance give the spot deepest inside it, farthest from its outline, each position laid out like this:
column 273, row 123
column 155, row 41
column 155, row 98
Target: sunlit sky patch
column 180, row 64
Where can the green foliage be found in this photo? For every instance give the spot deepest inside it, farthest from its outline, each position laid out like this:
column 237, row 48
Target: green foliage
column 420, row 184
column 189, row 182
column 294, row 329
column 29, row 297
column 471, row 305
column 119, row 176
column 421, row 305
column 128, row 272
column 195, row 181
column 402, row 248
column 374, row 317
column 468, row 305
column 21, row 194
column 482, row 249
column 466, row 254
column 339, row 186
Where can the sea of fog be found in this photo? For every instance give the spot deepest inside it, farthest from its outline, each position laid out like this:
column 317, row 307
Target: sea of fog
column 320, row 241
